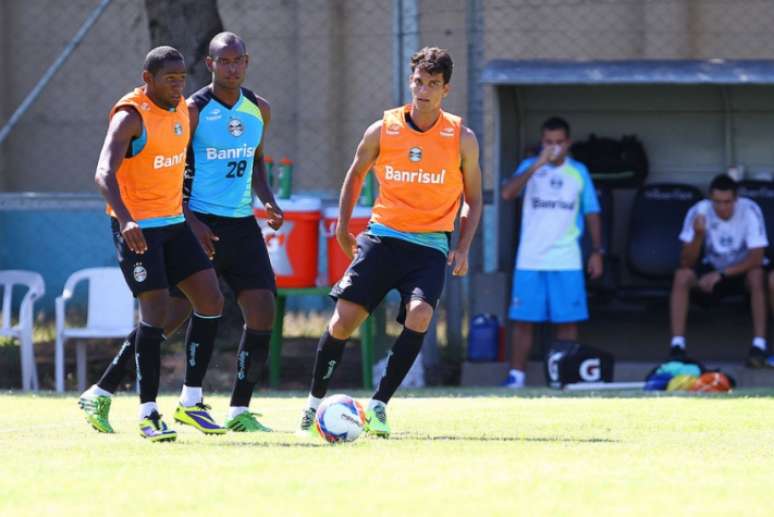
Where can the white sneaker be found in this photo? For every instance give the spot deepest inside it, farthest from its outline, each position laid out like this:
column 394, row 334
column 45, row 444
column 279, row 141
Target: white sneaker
column 514, row 381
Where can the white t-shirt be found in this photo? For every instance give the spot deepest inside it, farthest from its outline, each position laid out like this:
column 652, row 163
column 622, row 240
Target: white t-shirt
column 727, row 242
column 556, row 200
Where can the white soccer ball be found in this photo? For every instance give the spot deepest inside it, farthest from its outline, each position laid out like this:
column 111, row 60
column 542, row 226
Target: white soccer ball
column 340, row 418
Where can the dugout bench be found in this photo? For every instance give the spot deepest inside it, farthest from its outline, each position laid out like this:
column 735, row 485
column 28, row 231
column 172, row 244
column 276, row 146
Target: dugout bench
column 367, row 331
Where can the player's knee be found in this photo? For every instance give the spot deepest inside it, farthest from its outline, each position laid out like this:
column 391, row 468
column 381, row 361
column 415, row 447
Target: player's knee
column 341, row 327
column 419, row 314
column 153, row 307
column 754, row 278
column 343, row 324
column 684, row 278
column 258, row 309
column 210, row 305
column 347, row 317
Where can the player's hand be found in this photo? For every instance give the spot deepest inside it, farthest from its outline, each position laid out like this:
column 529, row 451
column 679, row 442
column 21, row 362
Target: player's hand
column 275, row 216
column 204, row 235
column 707, row 282
column 133, row 237
column 347, row 241
column 699, row 224
column 595, row 266
column 458, row 259
column 546, row 155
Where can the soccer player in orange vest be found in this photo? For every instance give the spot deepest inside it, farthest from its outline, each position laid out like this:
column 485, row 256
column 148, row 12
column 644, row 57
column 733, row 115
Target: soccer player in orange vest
column 226, row 119
column 140, row 175
column 427, row 165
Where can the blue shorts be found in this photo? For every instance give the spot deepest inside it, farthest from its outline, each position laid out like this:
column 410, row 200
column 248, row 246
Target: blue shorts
column 555, row 296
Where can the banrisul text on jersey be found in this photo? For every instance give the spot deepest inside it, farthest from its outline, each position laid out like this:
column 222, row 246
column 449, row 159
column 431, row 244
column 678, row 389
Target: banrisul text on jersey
column 419, row 174
column 150, row 177
column 223, row 148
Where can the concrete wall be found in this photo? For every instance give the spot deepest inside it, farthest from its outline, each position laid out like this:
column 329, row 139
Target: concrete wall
column 326, row 67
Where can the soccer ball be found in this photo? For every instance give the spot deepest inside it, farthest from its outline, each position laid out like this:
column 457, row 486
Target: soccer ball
column 340, row 418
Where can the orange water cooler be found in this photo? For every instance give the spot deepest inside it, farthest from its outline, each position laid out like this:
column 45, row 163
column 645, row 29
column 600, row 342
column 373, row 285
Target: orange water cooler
column 293, row 248
column 337, row 260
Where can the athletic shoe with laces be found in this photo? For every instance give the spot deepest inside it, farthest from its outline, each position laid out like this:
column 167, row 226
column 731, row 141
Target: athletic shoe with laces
column 376, row 422
column 246, row 423
column 198, row 416
column 756, row 358
column 306, row 428
column 153, row 429
column 96, row 409
column 513, row 381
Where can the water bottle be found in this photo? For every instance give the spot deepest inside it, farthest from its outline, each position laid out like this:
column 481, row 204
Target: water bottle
column 269, row 173
column 367, row 191
column 483, row 338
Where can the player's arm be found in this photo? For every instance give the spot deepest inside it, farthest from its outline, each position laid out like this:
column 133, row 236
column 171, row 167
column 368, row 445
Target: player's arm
column 260, row 182
column 190, row 164
column 594, row 224
column 125, row 125
column 692, row 246
column 202, row 232
column 470, row 214
column 690, row 252
column 753, row 259
column 514, row 186
column 365, row 156
column 755, row 240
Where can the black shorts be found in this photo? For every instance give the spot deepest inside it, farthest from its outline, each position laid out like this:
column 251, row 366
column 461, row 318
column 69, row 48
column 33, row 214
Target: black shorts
column 384, row 263
column 173, row 255
column 728, row 286
column 241, row 257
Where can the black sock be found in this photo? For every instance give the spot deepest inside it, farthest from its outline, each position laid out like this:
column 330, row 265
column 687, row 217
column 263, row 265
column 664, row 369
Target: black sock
column 404, row 353
column 199, row 343
column 329, row 352
column 116, row 370
column 148, row 356
column 251, row 361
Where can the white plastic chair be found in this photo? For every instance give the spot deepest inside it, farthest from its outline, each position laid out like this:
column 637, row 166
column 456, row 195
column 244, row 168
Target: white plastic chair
column 23, row 329
column 110, row 315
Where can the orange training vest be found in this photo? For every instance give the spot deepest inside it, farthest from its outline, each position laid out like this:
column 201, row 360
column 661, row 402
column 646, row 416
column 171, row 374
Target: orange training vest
column 419, row 174
column 151, row 183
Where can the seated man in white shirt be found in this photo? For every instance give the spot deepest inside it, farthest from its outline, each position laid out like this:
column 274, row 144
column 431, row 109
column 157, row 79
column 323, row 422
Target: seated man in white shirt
column 732, row 233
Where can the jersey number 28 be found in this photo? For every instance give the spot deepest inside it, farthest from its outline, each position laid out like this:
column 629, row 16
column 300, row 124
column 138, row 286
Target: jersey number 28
column 236, row 169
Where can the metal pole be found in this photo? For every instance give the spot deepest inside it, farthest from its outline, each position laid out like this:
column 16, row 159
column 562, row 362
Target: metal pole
column 397, row 52
column 53, row 69
column 475, row 116
column 405, row 23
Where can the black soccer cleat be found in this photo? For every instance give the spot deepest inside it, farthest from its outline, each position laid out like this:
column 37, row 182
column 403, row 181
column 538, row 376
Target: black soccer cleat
column 756, row 358
column 676, row 353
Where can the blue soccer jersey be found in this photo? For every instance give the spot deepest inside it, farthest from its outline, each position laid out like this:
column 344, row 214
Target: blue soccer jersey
column 223, row 148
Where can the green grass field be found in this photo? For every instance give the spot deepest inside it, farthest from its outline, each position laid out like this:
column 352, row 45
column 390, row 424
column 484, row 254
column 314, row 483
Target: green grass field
column 453, row 452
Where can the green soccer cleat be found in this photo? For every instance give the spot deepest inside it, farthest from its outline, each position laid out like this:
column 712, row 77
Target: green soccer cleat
column 153, row 429
column 246, row 423
column 198, row 416
column 96, row 409
column 307, row 428
column 376, row 422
